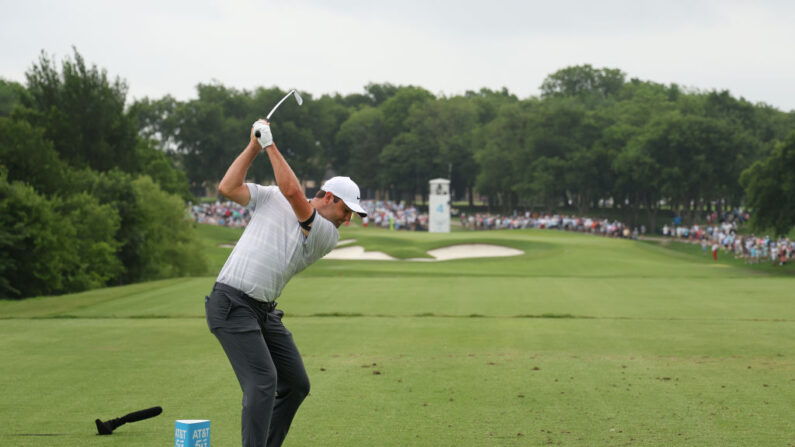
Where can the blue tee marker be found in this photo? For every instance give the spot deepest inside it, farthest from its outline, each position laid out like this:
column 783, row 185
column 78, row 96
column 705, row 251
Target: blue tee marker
column 192, row 433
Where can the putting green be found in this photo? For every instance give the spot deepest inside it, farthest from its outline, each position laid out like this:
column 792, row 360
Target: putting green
column 580, row 341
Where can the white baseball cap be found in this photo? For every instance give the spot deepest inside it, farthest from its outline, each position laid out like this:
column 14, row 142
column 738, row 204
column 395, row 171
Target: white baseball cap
column 345, row 189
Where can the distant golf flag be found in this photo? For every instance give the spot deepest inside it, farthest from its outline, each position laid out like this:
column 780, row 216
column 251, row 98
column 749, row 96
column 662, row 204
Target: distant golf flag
column 192, row 433
column 439, row 206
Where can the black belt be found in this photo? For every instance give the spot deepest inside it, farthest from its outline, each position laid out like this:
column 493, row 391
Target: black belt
column 266, row 306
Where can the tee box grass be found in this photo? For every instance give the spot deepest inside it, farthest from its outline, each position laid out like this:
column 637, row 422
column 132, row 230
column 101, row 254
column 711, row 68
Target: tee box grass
column 581, row 341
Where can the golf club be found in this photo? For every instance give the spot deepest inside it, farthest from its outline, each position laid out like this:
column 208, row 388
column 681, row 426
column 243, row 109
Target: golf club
column 298, row 99
column 107, row 427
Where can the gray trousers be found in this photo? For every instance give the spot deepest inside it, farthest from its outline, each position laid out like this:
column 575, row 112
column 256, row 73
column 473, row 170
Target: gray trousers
column 265, row 359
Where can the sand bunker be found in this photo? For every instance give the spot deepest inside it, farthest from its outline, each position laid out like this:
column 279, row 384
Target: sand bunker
column 357, row 253
column 462, row 251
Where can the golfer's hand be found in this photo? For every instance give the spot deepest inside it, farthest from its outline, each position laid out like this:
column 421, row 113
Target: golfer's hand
column 265, row 138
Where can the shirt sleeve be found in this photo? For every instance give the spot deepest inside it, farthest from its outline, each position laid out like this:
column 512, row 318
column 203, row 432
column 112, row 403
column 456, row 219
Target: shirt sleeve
column 322, row 238
column 259, row 195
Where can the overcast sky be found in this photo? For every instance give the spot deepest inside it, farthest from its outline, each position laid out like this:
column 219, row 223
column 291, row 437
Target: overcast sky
column 446, row 46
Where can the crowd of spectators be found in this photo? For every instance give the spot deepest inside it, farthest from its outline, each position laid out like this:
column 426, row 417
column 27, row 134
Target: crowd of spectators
column 227, row 214
column 397, row 216
column 387, row 214
column 724, row 236
column 604, row 227
column 720, row 233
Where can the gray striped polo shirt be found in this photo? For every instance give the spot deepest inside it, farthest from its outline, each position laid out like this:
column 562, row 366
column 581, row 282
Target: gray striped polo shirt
column 273, row 248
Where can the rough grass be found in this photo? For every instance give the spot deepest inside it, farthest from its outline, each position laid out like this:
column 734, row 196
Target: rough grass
column 580, row 341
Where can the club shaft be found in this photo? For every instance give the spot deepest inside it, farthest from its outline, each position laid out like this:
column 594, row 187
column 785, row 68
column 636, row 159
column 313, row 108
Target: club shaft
column 278, row 104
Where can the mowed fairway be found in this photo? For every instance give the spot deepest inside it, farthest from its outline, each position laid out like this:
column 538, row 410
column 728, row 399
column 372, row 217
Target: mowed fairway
column 581, row 341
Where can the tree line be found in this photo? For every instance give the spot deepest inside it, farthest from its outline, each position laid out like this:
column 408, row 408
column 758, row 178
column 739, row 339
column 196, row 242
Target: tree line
column 592, row 135
column 92, row 189
column 85, row 200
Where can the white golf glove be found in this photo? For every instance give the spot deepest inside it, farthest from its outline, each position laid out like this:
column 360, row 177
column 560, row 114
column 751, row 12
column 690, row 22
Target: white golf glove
column 265, row 138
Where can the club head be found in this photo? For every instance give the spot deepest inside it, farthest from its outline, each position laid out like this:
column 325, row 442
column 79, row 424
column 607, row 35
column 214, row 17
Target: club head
column 293, row 92
column 103, row 428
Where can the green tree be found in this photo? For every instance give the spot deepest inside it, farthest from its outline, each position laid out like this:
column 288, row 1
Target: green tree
column 488, row 102
column 300, row 148
column 76, row 211
column 155, row 240
column 11, row 94
column 27, row 156
column 325, row 117
column 161, row 167
column 158, row 121
column 168, row 243
column 209, row 135
column 213, row 131
column 637, row 179
column 397, row 108
column 628, row 179
column 355, row 100
column 504, row 155
column 454, row 125
column 407, row 165
column 359, row 141
column 302, row 136
column 380, row 92
column 583, row 81
column 699, row 159
column 82, row 113
column 770, row 189
column 364, row 136
column 440, row 140
column 33, row 256
column 93, row 242
column 555, row 160
column 564, row 136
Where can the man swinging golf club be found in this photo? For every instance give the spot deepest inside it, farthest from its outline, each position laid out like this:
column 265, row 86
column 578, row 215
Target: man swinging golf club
column 286, row 233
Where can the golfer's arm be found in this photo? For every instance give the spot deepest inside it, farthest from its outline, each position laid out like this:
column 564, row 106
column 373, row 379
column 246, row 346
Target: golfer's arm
column 289, row 184
column 232, row 185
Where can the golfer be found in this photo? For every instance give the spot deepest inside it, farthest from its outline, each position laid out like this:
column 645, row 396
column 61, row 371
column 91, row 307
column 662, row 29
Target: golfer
column 287, row 232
